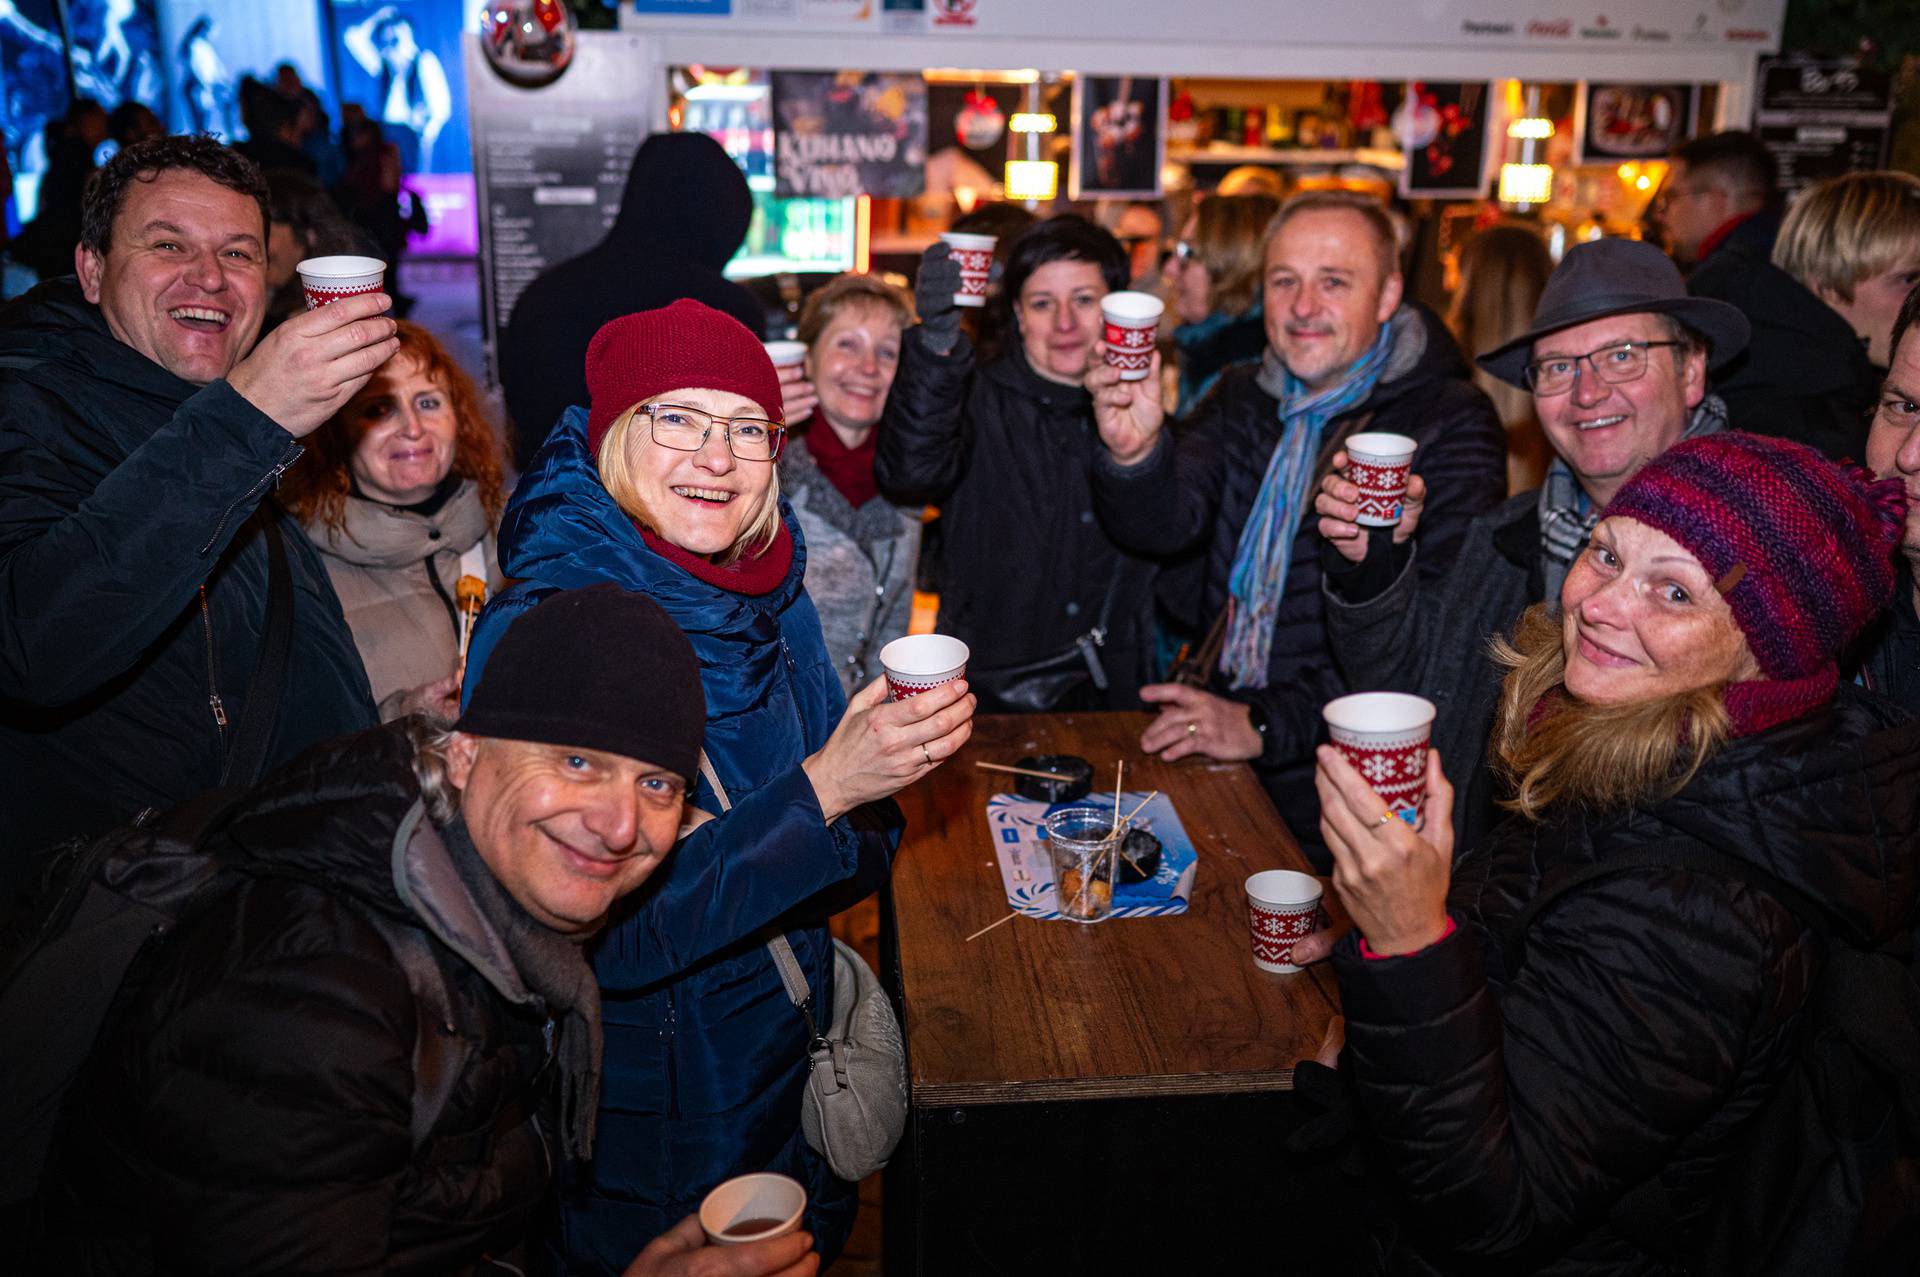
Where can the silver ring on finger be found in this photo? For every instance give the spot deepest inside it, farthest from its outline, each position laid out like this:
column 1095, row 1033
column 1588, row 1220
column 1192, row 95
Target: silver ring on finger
column 927, row 752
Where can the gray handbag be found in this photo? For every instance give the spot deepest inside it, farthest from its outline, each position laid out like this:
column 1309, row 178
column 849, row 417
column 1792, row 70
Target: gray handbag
column 855, row 1106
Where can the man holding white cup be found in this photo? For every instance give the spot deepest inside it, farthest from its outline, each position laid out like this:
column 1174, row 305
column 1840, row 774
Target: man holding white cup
column 1617, row 360
column 1344, row 355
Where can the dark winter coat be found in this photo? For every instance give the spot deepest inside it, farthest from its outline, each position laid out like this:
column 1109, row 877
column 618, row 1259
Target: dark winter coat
column 123, row 489
column 683, row 216
column 1891, row 649
column 249, row 1104
column 1213, row 345
column 1656, row 1009
column 705, row 1056
column 1804, row 374
column 1197, row 493
column 1429, row 637
column 1027, row 563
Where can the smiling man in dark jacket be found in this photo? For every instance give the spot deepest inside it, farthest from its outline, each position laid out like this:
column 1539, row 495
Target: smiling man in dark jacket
column 138, row 438
column 1344, row 355
column 684, row 215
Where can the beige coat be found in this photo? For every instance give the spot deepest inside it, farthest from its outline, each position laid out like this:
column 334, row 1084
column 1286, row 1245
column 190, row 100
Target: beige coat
column 395, row 573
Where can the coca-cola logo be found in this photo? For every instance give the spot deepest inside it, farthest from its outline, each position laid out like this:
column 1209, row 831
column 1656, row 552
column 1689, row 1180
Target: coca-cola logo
column 1558, row 30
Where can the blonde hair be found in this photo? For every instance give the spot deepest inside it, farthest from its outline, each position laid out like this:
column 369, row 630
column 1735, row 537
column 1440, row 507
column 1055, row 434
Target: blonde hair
column 1849, row 229
column 616, row 476
column 1386, row 238
column 1599, row 756
column 850, row 292
column 1228, row 237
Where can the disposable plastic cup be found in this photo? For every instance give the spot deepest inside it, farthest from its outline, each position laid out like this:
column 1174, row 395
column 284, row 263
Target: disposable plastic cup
column 921, row 662
column 1385, row 736
column 1132, row 319
column 326, row 280
column 1084, row 843
column 785, row 354
column 974, row 253
column 752, row 1208
column 1378, row 464
column 1282, row 907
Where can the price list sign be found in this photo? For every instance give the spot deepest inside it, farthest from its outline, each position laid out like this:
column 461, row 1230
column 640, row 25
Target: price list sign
column 1822, row 118
column 550, row 164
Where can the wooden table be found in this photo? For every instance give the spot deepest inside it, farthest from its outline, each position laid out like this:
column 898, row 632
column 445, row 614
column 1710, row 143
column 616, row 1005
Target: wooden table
column 1019, row 1039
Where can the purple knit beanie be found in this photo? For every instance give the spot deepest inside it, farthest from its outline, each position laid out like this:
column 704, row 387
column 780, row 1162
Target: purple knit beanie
column 1801, row 547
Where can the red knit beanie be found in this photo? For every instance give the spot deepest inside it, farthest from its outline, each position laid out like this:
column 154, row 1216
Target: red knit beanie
column 1802, row 547
column 685, row 346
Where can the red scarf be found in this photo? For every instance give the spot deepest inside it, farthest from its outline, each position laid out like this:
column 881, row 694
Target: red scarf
column 754, row 575
column 848, row 469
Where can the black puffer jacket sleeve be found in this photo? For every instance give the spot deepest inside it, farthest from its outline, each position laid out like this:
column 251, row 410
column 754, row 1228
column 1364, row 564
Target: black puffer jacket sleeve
column 1165, row 504
column 1513, row 1121
column 926, row 437
column 94, row 568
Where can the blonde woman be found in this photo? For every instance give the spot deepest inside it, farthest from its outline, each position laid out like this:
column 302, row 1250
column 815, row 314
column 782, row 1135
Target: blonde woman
column 667, row 485
column 1587, row 1010
column 1215, row 277
column 1503, row 271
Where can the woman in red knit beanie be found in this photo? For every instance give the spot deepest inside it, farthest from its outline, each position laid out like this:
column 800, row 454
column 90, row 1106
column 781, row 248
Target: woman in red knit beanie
column 1591, row 1009
column 667, row 485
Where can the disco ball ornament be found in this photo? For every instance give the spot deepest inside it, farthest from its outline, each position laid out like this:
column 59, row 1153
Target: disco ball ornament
column 528, row 42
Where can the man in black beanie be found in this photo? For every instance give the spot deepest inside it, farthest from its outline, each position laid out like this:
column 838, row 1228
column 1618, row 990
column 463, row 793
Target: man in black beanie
column 374, row 1031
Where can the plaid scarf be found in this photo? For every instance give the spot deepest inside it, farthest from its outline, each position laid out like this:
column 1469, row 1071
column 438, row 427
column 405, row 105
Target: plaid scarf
column 1567, row 515
column 1259, row 579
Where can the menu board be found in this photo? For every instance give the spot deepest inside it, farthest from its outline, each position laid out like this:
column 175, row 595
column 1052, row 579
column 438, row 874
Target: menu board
column 551, row 163
column 1822, row 118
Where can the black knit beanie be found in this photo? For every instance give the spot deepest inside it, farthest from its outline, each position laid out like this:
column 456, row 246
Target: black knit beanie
column 596, row 668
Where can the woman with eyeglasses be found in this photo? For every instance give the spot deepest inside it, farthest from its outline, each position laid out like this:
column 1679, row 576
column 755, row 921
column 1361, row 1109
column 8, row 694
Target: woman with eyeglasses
column 667, row 485
column 1214, row 273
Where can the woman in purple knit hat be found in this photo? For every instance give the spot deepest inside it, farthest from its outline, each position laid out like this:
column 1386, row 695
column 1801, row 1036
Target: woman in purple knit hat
column 1561, row 1042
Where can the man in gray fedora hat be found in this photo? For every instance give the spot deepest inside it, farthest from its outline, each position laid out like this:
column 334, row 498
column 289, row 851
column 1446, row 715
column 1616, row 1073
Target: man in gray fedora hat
column 1617, row 359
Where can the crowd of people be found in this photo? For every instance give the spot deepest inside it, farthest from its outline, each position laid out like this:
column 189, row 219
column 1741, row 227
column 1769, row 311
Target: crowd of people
column 518, row 753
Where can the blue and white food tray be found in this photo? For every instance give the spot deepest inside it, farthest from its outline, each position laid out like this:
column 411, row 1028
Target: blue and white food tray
column 1027, row 870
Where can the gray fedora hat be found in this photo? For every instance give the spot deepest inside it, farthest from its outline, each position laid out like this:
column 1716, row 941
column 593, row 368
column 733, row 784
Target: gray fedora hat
column 1618, row 277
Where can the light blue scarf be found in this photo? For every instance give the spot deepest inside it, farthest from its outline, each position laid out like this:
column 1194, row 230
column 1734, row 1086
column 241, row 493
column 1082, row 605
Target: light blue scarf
column 1259, row 579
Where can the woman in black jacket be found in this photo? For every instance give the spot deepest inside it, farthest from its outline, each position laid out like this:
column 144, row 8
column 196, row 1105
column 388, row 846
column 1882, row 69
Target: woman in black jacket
column 1522, row 1072
column 1057, row 616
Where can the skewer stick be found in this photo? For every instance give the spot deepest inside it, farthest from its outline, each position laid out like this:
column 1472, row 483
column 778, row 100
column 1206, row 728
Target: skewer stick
column 1119, row 770
column 1023, row 771
column 990, row 926
column 1137, row 806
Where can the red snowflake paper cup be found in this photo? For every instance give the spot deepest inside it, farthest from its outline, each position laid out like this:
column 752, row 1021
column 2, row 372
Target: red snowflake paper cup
column 785, row 354
column 921, row 662
column 1132, row 319
column 1378, row 464
column 975, row 255
column 1282, row 908
column 1384, row 735
column 326, row 280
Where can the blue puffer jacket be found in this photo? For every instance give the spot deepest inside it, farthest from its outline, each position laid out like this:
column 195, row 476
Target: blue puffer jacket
column 705, row 1055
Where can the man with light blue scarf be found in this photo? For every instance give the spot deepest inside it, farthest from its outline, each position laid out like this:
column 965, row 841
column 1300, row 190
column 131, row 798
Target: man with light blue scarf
column 1345, row 353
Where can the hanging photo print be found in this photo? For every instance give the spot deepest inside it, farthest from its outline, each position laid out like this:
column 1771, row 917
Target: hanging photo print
column 1119, row 136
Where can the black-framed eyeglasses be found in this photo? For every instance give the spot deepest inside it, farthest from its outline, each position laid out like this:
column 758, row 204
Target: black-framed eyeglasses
column 687, row 429
column 1622, row 361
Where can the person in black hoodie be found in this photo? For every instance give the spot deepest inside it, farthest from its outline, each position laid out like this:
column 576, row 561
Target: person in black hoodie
column 1822, row 310
column 1344, row 355
column 684, row 214
column 137, row 440
column 1568, row 1088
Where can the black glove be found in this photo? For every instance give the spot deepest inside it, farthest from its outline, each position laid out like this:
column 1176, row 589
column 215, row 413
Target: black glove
column 933, row 292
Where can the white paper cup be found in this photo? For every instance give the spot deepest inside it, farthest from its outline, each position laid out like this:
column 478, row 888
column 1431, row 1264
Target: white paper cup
column 1385, row 735
column 975, row 255
column 752, row 1208
column 326, row 280
column 785, row 354
column 921, row 662
column 1132, row 319
column 1378, row 464
column 1283, row 907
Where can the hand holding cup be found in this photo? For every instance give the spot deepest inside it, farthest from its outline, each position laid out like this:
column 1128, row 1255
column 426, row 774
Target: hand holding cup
column 881, row 746
column 683, row 1251
column 1338, row 505
column 798, row 397
column 1392, row 879
column 1128, row 414
column 935, row 292
column 303, row 371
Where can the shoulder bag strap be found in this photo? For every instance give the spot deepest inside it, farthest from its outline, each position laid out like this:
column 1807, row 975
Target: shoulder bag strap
column 784, row 961
column 249, row 751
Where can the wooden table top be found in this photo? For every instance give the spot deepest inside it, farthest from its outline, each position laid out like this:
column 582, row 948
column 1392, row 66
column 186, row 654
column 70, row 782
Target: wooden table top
column 1049, row 1010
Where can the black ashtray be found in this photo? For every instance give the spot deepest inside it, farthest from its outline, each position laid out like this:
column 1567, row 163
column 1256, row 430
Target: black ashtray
column 1139, row 856
column 1075, row 778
